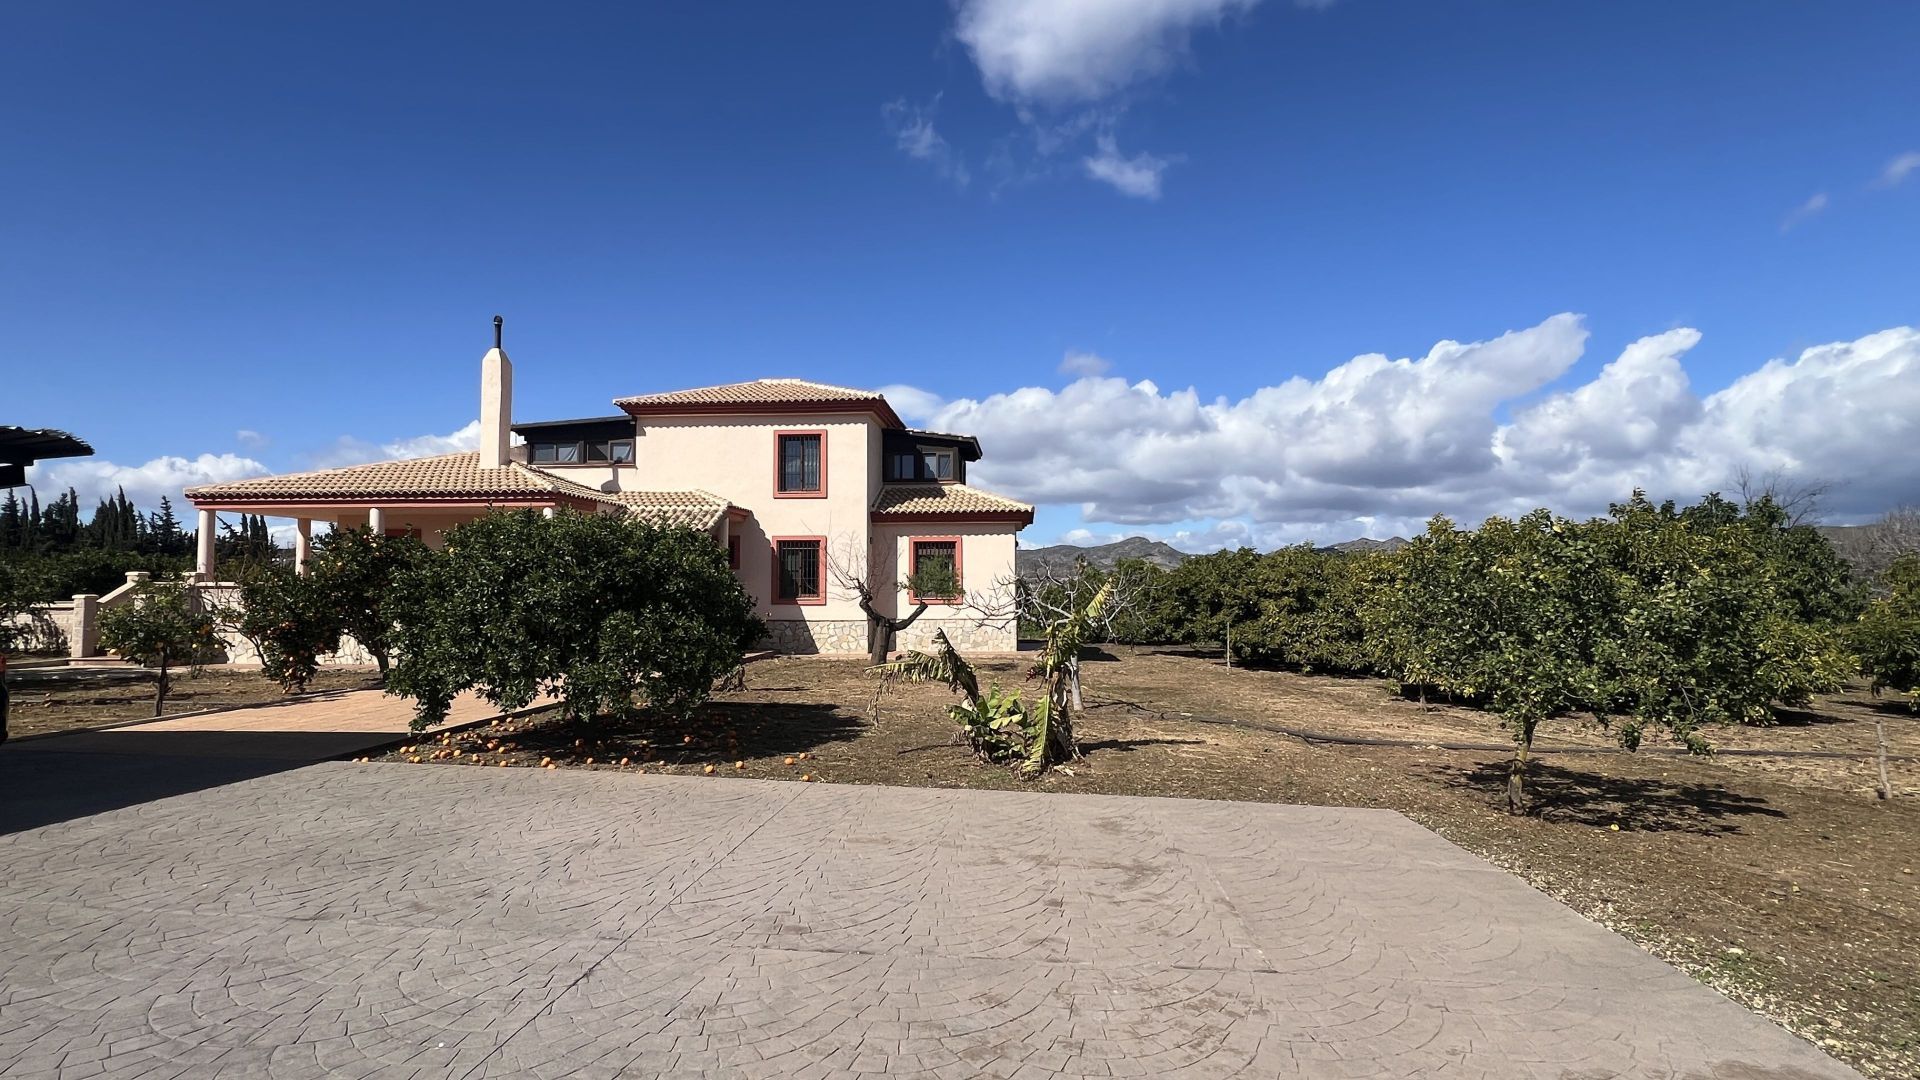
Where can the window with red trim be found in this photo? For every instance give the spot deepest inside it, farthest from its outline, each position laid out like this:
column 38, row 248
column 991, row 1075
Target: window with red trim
column 934, row 569
column 799, row 571
column 800, row 463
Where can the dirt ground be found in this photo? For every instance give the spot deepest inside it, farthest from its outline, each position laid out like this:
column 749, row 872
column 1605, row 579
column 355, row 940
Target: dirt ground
column 41, row 705
column 1783, row 883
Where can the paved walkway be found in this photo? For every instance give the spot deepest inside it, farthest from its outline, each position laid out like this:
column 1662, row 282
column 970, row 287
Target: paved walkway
column 50, row 778
column 385, row 920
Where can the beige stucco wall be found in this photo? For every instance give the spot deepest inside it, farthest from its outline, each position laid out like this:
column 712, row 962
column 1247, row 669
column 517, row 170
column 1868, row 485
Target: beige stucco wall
column 733, row 457
column 986, row 571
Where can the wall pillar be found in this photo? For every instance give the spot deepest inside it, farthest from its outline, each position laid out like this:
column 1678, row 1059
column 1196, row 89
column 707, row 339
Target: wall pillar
column 376, row 521
column 546, row 511
column 83, row 633
column 208, row 526
column 302, row 543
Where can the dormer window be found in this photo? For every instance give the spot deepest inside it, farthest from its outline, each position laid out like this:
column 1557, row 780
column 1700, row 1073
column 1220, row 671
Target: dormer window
column 613, row 451
column 936, row 464
column 552, row 453
column 590, row 452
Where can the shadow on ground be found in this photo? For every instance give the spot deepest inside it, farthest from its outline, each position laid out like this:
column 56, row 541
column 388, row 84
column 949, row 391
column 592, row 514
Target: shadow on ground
column 42, row 784
column 725, row 732
column 1559, row 794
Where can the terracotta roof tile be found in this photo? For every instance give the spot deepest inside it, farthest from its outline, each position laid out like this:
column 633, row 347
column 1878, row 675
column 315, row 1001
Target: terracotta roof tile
column 944, row 499
column 694, row 509
column 440, row 477
column 757, row 392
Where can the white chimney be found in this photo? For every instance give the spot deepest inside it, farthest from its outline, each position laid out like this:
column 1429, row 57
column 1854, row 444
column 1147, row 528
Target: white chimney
column 496, row 403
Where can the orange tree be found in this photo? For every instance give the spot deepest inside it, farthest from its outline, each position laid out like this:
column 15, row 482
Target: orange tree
column 354, row 571
column 160, row 627
column 594, row 609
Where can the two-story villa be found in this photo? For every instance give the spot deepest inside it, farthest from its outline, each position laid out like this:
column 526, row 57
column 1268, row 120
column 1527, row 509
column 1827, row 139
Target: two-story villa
column 795, row 479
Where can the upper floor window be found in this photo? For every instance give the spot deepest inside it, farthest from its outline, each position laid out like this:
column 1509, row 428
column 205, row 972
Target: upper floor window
column 550, row 453
column 603, row 452
column 613, row 451
column 922, row 464
column 800, row 463
column 938, row 464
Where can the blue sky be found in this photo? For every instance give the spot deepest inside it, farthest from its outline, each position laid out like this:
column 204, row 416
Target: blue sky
column 251, row 237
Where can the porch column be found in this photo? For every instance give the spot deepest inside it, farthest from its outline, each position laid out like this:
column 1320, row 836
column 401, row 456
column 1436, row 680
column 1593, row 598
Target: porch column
column 204, row 564
column 376, row 521
column 302, row 543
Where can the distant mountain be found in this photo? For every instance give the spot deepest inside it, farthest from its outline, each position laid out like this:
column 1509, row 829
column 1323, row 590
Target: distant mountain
column 1060, row 558
column 1872, row 548
column 1389, row 545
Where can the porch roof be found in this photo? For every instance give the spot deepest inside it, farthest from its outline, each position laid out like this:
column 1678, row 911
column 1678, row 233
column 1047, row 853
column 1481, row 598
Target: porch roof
column 946, row 502
column 695, row 509
column 452, row 478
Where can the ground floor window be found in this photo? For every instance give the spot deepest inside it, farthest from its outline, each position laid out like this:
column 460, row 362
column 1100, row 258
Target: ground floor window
column 934, row 566
column 799, row 569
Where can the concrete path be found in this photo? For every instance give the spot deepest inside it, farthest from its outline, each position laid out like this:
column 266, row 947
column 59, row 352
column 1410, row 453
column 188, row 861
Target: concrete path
column 411, row 921
column 49, row 778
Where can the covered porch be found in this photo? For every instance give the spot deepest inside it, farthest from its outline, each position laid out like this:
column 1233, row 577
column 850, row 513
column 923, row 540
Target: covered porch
column 422, row 497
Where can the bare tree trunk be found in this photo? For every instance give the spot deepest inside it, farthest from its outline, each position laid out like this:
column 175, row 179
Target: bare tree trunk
column 160, row 692
column 1880, row 730
column 1517, row 771
column 880, row 630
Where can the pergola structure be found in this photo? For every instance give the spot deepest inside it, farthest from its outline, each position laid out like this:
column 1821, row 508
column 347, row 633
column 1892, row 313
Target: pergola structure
column 21, row 447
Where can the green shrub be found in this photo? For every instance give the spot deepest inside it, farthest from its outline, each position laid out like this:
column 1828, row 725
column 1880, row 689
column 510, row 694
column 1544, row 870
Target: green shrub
column 292, row 619
column 591, row 608
column 354, row 570
column 1887, row 635
column 160, row 627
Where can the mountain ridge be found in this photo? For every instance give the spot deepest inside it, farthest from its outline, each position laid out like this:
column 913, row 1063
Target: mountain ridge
column 1059, row 559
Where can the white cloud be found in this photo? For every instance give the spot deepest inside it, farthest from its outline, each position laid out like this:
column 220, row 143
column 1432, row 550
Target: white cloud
column 915, row 136
column 1138, row 176
column 1069, row 69
column 1075, row 52
column 97, row 478
column 348, row 450
column 1806, row 210
column 249, row 438
column 1899, row 169
column 1377, row 445
column 912, row 403
column 1080, row 363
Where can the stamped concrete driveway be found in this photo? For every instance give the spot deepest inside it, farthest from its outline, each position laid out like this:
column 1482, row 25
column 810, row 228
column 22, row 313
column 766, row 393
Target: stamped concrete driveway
column 388, row 920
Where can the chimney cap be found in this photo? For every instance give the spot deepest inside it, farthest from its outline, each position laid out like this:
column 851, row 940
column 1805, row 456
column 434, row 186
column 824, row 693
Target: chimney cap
column 498, row 323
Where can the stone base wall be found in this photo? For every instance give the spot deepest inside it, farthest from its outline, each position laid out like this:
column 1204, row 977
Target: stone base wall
column 967, row 635
column 239, row 650
column 850, row 636
column 821, row 636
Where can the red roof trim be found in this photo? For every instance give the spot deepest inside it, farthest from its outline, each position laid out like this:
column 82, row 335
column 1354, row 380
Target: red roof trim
column 1020, row 517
